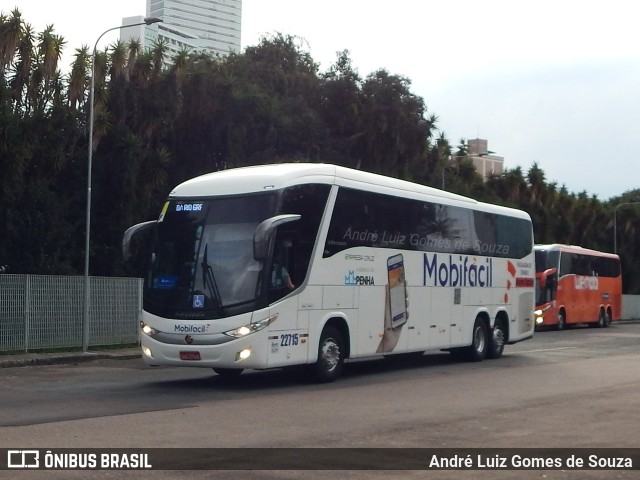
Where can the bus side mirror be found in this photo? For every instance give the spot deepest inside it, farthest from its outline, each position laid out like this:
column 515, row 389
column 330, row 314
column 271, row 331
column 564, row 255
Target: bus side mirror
column 263, row 234
column 135, row 239
column 546, row 275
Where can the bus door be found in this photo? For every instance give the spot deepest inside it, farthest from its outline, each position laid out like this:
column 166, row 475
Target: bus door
column 288, row 338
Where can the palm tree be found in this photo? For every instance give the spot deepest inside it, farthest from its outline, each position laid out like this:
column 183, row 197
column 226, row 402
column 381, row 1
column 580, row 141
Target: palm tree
column 22, row 69
column 159, row 51
column 49, row 50
column 141, row 68
column 515, row 186
column 566, row 222
column 180, row 65
column 79, row 77
column 438, row 160
column 537, row 185
column 101, row 117
column 134, row 50
column 118, row 60
column 11, row 32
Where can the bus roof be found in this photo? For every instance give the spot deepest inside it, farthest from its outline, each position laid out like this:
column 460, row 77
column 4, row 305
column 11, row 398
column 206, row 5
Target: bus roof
column 262, row 178
column 574, row 249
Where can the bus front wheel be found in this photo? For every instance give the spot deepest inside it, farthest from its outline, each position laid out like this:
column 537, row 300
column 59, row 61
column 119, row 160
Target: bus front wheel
column 331, row 351
column 561, row 321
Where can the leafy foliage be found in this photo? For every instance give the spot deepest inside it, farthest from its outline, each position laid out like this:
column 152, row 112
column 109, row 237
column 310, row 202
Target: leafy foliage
column 158, row 124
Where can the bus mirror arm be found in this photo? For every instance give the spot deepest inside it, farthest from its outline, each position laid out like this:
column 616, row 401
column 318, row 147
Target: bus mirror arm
column 130, row 233
column 262, row 236
column 546, row 275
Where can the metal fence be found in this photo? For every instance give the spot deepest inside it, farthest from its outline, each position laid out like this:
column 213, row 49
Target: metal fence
column 46, row 312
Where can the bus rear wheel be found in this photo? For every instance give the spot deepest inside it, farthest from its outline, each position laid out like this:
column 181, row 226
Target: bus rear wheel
column 602, row 320
column 496, row 343
column 331, row 351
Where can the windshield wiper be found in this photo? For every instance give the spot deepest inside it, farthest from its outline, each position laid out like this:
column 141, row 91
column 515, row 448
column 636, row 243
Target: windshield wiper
column 208, row 278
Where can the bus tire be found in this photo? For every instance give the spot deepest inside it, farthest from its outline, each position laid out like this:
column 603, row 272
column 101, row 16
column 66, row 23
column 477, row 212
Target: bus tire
column 496, row 341
column 228, row 372
column 607, row 320
column 562, row 323
column 601, row 319
column 331, row 351
column 477, row 351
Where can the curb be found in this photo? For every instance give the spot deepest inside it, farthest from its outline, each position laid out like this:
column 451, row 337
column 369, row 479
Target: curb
column 38, row 359
column 29, row 360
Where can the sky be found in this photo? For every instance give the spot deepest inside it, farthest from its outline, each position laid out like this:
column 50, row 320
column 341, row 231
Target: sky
column 549, row 82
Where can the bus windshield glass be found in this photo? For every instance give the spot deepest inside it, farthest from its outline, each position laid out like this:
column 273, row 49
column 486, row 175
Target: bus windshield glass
column 202, row 262
column 545, row 260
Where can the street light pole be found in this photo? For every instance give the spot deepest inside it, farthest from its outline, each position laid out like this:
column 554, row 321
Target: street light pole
column 615, row 223
column 85, row 323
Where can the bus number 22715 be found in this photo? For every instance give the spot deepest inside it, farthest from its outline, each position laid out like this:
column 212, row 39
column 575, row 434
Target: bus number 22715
column 288, row 339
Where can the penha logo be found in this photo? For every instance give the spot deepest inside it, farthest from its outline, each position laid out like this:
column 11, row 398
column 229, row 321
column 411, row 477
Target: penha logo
column 352, row 279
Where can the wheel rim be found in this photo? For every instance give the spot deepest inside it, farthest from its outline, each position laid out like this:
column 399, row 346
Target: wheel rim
column 479, row 339
column 330, row 354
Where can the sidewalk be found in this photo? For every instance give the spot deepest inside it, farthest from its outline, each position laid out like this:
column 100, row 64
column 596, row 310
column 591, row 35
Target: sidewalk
column 56, row 358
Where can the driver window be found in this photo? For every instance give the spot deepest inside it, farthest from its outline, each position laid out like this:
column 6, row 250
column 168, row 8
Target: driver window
column 283, row 267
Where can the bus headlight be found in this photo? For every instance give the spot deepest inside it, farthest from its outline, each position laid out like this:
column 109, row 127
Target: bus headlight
column 538, row 316
column 148, row 329
column 243, row 355
column 254, row 327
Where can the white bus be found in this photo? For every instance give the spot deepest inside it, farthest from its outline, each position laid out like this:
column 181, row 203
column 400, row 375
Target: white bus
column 276, row 265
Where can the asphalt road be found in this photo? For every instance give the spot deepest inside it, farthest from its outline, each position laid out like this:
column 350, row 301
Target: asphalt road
column 575, row 388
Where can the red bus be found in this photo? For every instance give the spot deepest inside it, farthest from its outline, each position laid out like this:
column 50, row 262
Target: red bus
column 576, row 285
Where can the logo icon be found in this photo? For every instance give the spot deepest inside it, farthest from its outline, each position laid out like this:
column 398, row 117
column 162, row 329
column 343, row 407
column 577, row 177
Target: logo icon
column 23, row 459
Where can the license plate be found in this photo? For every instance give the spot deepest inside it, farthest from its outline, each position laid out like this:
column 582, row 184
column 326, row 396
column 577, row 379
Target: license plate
column 191, row 355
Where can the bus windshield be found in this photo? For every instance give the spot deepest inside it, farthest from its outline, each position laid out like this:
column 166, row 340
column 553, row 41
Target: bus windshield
column 202, row 262
column 545, row 260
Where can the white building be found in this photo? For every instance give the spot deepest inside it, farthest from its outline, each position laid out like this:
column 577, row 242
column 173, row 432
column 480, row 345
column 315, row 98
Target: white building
column 484, row 162
column 210, row 26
